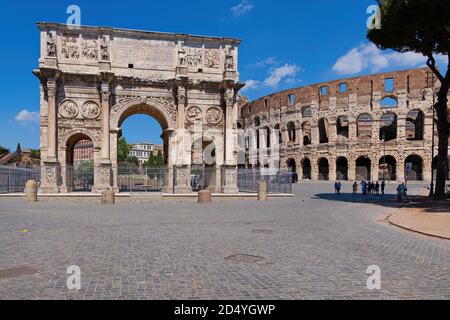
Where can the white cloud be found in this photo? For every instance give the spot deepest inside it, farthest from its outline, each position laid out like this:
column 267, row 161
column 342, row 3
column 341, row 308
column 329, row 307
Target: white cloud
column 266, row 62
column 26, row 116
column 369, row 57
column 251, row 85
column 277, row 75
column 242, row 8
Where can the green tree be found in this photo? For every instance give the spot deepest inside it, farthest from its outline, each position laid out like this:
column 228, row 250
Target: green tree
column 36, row 154
column 155, row 161
column 123, row 150
column 86, row 166
column 3, row 150
column 421, row 26
column 132, row 161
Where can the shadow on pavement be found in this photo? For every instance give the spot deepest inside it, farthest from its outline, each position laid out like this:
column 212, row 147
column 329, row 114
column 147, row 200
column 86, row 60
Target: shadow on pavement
column 390, row 200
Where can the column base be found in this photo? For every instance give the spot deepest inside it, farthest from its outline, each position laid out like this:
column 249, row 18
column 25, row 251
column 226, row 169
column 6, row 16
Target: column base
column 229, row 180
column 102, row 177
column 50, row 177
column 183, row 180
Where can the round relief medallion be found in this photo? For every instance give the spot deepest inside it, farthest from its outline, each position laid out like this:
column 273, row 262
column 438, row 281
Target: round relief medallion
column 90, row 110
column 194, row 114
column 68, row 109
column 214, row 115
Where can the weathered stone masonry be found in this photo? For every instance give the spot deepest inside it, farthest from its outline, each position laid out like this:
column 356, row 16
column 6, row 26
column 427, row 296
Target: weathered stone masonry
column 93, row 78
column 335, row 130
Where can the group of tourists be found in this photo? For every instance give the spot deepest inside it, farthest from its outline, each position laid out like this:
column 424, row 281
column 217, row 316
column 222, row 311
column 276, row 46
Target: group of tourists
column 369, row 188
column 402, row 196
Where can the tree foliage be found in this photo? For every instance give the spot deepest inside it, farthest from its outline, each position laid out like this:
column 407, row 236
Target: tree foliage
column 421, row 26
column 155, row 161
column 3, row 150
column 123, row 150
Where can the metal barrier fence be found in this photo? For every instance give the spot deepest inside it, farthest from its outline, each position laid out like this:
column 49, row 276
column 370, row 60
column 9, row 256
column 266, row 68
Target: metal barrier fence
column 138, row 179
column 280, row 182
column 135, row 179
column 13, row 179
column 203, row 177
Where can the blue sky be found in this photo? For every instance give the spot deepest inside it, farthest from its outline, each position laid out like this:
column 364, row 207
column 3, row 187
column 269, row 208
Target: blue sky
column 285, row 44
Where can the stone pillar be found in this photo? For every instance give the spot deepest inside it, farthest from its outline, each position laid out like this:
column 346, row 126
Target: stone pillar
column 52, row 120
column 104, row 171
column 229, row 181
column 168, row 145
column 51, row 169
column 351, row 169
column 183, row 168
column 332, row 131
column 114, row 164
column 375, row 170
column 401, row 169
column 314, row 169
column 332, row 165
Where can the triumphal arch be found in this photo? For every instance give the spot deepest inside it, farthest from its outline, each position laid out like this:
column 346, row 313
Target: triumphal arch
column 93, row 78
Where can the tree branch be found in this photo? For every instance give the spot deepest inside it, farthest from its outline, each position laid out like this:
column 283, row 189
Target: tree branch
column 431, row 63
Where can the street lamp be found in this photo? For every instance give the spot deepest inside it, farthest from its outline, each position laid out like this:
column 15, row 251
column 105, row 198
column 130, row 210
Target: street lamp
column 431, row 75
column 384, row 156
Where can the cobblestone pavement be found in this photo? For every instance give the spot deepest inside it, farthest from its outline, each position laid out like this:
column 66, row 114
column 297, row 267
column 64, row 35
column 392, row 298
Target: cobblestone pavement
column 314, row 247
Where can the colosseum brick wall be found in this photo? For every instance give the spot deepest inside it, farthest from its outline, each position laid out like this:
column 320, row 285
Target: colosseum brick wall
column 367, row 127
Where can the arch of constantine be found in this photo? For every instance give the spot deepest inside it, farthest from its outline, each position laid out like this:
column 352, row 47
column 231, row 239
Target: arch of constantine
column 93, row 78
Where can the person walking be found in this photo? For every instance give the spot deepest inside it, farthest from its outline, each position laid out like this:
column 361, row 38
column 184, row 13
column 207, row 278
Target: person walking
column 364, row 188
column 355, row 188
column 399, row 192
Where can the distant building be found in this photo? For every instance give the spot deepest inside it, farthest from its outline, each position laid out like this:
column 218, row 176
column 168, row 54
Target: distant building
column 83, row 151
column 143, row 151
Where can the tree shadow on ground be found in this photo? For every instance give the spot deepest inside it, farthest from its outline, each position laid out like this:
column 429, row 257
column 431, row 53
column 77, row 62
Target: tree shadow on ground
column 390, row 201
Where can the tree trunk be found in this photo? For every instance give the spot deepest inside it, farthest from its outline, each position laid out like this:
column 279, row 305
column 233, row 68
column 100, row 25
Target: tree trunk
column 443, row 129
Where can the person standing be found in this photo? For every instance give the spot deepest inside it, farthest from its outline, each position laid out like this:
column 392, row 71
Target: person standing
column 377, row 188
column 355, row 188
column 364, row 188
column 383, row 186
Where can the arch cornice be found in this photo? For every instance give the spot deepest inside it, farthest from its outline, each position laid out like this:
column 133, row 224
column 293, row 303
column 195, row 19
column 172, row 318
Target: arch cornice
column 92, row 135
column 161, row 108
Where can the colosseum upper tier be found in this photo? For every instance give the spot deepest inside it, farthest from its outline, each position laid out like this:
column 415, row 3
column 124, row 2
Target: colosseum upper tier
column 370, row 127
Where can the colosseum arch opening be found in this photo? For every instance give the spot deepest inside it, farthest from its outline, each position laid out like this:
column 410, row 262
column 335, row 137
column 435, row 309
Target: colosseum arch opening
column 364, row 125
column 306, row 132
column 387, row 169
column 306, row 169
column 324, row 169
column 416, row 172
column 342, row 126
column 415, row 123
column 363, row 168
column 342, row 168
column 323, row 130
column 388, row 126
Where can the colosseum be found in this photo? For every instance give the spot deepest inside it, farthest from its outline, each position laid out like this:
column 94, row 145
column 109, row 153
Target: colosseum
column 370, row 127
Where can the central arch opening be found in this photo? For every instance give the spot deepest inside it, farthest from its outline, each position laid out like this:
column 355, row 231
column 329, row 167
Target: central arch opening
column 142, row 150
